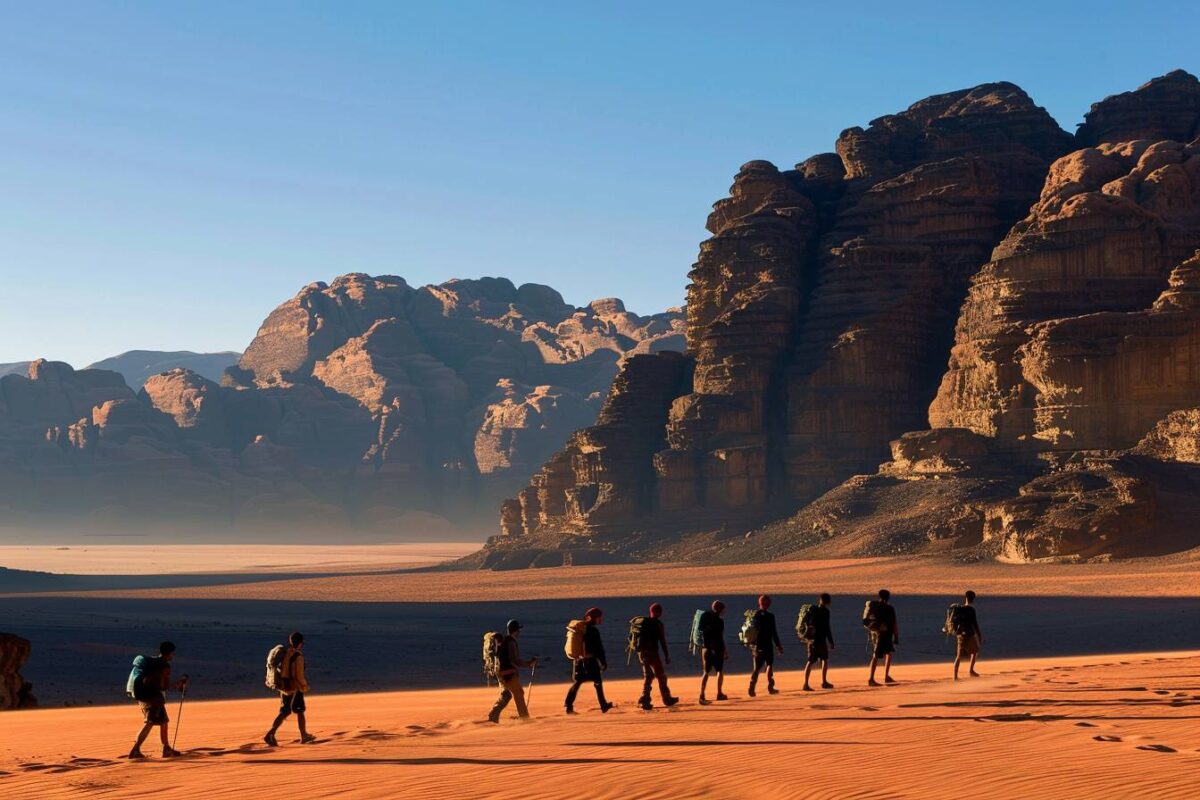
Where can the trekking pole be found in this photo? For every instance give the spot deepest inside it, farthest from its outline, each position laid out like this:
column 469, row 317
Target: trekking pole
column 179, row 714
column 529, row 694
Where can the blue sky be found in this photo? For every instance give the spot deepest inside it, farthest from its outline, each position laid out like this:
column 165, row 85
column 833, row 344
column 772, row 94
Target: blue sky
column 170, row 172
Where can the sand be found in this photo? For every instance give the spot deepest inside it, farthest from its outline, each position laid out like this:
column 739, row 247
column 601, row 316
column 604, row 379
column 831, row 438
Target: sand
column 1160, row 577
column 1092, row 727
column 181, row 559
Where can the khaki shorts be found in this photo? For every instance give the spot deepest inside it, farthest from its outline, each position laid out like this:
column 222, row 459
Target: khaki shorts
column 968, row 646
column 155, row 712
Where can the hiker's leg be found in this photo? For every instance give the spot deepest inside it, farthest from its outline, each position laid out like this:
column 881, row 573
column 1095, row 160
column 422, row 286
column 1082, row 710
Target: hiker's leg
column 703, row 682
column 599, row 682
column 771, row 674
column 874, row 663
column 807, row 671
column 887, row 666
column 720, row 682
column 518, row 696
column 142, row 737
column 754, row 672
column 300, row 722
column 572, row 692
column 661, row 673
column 957, row 661
column 972, row 667
column 647, row 679
column 824, row 671
column 501, row 702
column 163, row 734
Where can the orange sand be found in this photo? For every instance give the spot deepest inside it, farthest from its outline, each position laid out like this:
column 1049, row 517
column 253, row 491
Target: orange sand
column 1098, row 727
column 1165, row 577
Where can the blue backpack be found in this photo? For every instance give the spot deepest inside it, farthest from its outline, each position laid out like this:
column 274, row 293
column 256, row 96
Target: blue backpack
column 143, row 669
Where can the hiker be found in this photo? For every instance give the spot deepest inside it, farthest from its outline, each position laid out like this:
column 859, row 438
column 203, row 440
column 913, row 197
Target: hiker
column 292, row 686
column 821, row 642
column 713, row 653
column 508, row 675
column 967, row 633
column 765, row 645
column 591, row 664
column 879, row 617
column 651, row 636
column 149, row 681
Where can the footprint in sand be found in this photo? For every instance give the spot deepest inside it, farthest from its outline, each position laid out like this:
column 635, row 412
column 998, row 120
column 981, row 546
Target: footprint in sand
column 1085, row 725
column 1103, row 738
column 1157, row 748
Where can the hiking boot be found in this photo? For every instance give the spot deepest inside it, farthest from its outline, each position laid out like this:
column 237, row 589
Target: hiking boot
column 307, row 738
column 704, row 701
column 752, row 693
column 645, row 705
column 136, row 754
column 722, row 696
column 170, row 752
column 271, row 740
column 806, row 688
column 975, row 674
column 604, row 709
column 826, row 685
column 873, row 682
column 772, row 690
column 889, row 679
column 493, row 720
column 571, row 711
column 670, row 701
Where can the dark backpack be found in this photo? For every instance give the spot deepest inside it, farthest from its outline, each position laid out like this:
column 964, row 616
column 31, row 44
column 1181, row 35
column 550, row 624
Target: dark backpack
column 699, row 623
column 806, row 623
column 874, row 616
column 275, row 680
column 637, row 630
column 956, row 621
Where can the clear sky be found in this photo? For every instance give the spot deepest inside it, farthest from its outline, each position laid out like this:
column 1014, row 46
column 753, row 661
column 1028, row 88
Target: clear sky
column 170, row 172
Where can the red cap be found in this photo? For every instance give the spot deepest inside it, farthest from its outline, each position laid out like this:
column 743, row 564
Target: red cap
column 592, row 613
column 656, row 609
column 764, row 601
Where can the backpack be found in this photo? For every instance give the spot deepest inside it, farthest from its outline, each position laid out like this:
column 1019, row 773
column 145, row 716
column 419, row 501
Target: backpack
column 492, row 643
column 956, row 621
column 574, row 644
column 806, row 625
column 696, row 642
column 275, row 680
column 872, row 618
column 748, row 635
column 637, row 627
column 144, row 670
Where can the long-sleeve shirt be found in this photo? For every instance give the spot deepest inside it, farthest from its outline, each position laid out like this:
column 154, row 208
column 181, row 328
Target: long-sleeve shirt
column 654, row 635
column 823, row 624
column 592, row 646
column 293, row 668
column 510, row 656
column 768, row 632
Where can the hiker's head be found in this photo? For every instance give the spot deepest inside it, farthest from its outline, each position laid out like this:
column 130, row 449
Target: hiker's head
column 514, row 628
column 656, row 610
column 969, row 596
column 593, row 615
column 167, row 650
column 885, row 595
column 764, row 601
column 296, row 640
column 718, row 607
column 826, row 599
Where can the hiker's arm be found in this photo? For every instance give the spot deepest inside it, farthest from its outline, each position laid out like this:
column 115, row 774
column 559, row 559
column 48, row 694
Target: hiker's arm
column 895, row 630
column 298, row 673
column 662, row 636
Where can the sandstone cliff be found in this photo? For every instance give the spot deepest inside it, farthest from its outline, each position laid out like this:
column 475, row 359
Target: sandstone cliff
column 1055, row 273
column 362, row 404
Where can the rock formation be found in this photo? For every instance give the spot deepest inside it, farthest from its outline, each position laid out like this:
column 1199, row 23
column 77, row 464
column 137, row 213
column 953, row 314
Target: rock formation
column 15, row 691
column 1056, row 273
column 363, row 404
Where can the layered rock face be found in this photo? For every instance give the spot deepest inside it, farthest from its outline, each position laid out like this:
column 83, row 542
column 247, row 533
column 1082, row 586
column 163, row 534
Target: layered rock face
column 361, row 403
column 15, row 691
column 1055, row 273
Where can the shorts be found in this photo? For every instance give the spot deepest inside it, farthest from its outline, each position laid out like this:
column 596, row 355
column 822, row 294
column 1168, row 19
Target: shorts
column 713, row 661
column 291, row 702
column 967, row 646
column 154, row 712
column 882, row 644
column 817, row 651
column 763, row 657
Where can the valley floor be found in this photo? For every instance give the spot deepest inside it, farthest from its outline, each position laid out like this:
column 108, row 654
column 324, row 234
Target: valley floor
column 1079, row 727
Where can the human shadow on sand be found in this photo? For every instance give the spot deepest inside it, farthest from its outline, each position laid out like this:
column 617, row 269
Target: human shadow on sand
column 709, row 743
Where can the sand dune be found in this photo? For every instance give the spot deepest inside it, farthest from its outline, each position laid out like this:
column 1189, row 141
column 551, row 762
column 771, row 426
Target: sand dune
column 1175, row 576
column 1098, row 727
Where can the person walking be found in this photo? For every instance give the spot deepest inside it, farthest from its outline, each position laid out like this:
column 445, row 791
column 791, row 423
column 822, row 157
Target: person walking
column 765, row 646
column 149, row 688
column 509, row 674
column 653, row 637
column 879, row 617
column 713, row 653
column 968, row 634
column 821, row 643
column 592, row 665
column 292, row 689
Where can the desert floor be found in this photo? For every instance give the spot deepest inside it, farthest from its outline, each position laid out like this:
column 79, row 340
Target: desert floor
column 1081, row 727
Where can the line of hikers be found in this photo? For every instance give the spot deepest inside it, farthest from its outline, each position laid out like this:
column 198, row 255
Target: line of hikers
column 150, row 678
column 759, row 633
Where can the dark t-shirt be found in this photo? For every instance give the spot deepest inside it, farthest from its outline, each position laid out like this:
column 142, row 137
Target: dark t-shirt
column 712, row 630
column 654, row 635
column 970, row 620
column 156, row 676
column 593, row 646
column 887, row 616
column 823, row 625
column 768, row 633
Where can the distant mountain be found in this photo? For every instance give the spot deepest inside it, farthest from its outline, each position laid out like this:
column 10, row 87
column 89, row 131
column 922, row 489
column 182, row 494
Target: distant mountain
column 138, row 365
column 15, row 368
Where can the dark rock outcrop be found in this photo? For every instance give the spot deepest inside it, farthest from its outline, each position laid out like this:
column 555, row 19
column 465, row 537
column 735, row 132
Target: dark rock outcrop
column 15, row 691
